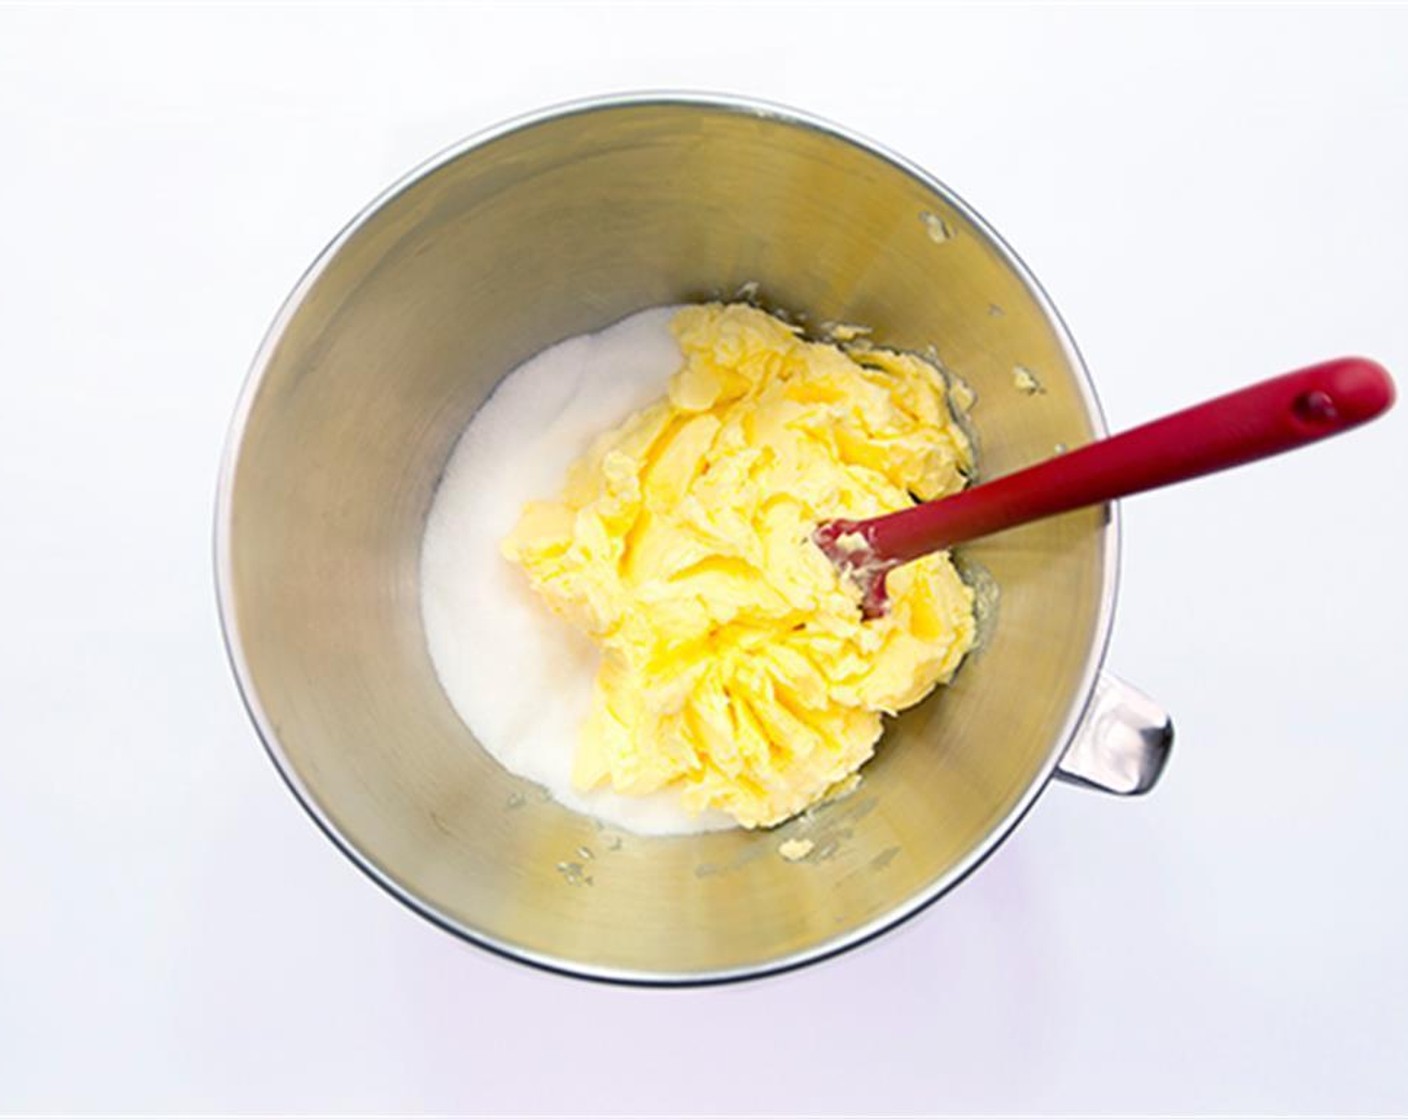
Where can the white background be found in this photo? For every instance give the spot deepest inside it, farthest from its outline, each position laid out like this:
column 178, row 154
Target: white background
column 1211, row 196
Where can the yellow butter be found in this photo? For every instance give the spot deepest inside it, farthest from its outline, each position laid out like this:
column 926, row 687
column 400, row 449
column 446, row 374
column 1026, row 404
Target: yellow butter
column 736, row 665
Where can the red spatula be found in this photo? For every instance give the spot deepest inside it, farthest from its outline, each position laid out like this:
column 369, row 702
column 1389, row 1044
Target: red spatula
column 1253, row 423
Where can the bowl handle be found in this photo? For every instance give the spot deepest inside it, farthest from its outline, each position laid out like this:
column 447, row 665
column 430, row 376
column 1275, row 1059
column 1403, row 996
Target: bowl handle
column 1122, row 744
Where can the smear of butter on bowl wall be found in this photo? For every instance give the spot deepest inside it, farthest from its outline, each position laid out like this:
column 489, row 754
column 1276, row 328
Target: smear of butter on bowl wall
column 736, row 665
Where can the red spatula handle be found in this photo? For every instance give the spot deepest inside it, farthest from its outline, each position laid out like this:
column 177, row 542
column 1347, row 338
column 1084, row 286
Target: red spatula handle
column 1253, row 423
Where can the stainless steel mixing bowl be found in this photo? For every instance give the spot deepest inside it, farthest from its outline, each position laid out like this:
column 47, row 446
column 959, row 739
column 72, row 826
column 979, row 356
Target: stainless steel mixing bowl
column 559, row 224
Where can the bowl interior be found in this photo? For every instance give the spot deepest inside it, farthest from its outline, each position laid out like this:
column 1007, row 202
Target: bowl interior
column 559, row 226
